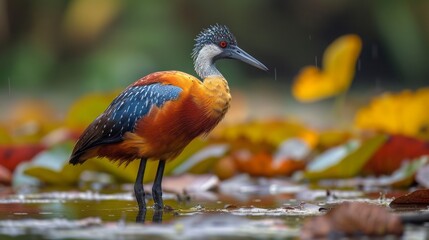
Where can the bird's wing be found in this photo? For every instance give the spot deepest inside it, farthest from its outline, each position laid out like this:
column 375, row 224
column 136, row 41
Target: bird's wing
column 122, row 115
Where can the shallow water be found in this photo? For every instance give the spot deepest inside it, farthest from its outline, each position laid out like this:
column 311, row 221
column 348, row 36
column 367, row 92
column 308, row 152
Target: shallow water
column 112, row 214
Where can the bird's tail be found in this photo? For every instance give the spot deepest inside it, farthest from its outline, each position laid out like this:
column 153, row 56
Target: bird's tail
column 75, row 158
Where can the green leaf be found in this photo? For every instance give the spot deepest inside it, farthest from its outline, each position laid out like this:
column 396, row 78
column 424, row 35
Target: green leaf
column 349, row 165
column 51, row 167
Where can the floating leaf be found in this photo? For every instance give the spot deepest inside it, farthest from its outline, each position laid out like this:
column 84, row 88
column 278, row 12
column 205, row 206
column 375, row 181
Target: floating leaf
column 11, row 156
column 288, row 158
column 339, row 61
column 396, row 150
column 403, row 113
column 404, row 176
column 344, row 161
column 418, row 197
column 51, row 167
column 262, row 164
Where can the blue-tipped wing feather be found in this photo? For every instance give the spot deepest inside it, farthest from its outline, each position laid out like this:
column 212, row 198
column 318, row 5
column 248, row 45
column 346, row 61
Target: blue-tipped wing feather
column 122, row 115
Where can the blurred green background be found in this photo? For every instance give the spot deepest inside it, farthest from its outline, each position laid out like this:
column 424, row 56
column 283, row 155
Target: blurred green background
column 59, row 50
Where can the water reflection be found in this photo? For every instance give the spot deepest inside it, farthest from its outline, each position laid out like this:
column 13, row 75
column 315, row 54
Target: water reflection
column 157, row 216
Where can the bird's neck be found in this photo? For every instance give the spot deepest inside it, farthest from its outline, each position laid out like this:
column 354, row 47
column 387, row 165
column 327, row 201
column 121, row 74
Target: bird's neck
column 204, row 62
column 217, row 95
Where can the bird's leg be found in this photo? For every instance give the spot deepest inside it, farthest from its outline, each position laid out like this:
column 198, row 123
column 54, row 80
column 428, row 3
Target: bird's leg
column 138, row 185
column 157, row 189
column 157, row 215
column 141, row 215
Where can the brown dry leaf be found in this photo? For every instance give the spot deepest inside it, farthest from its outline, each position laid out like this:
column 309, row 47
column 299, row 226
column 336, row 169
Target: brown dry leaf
column 418, row 197
column 353, row 219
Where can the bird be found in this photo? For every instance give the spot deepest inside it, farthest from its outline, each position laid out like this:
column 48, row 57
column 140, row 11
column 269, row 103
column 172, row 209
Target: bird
column 157, row 116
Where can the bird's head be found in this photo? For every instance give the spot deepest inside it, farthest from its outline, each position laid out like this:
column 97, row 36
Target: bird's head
column 217, row 42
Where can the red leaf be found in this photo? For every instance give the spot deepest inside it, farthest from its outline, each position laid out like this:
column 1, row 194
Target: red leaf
column 396, row 150
column 11, row 156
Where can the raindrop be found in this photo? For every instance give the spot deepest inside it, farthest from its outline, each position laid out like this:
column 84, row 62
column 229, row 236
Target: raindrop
column 275, row 74
column 8, row 79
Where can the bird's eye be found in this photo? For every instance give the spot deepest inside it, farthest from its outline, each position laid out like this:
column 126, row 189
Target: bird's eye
column 223, row 44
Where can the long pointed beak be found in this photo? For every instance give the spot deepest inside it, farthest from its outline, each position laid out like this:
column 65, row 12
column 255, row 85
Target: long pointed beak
column 240, row 54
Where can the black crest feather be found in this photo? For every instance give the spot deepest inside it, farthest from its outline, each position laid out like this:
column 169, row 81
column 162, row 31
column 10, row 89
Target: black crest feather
column 213, row 35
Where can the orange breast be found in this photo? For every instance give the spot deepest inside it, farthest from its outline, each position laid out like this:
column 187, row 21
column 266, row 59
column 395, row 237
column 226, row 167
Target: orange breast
column 164, row 132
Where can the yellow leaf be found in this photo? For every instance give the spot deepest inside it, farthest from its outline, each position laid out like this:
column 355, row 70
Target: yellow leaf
column 397, row 113
column 51, row 166
column 5, row 137
column 256, row 132
column 87, row 108
column 339, row 61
